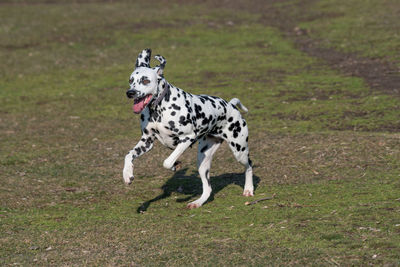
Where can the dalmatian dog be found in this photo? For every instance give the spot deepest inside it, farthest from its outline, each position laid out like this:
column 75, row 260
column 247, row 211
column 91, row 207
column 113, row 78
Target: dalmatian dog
column 178, row 119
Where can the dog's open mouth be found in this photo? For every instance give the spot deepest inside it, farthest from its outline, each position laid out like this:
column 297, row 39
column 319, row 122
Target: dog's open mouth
column 140, row 103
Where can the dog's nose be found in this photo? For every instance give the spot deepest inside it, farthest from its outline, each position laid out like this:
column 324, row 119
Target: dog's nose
column 131, row 93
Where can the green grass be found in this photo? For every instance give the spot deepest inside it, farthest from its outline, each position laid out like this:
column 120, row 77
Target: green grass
column 369, row 28
column 322, row 142
column 346, row 226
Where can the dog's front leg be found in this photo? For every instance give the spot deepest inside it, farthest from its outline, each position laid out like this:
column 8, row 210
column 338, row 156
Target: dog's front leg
column 169, row 163
column 143, row 146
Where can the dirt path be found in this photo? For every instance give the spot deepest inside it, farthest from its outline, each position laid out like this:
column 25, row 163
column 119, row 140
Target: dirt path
column 380, row 75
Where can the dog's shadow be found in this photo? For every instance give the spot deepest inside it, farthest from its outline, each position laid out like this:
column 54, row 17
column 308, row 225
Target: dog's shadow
column 191, row 185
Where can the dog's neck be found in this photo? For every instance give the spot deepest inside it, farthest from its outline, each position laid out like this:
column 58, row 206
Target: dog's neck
column 163, row 89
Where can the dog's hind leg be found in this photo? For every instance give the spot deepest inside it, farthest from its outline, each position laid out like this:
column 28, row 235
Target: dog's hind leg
column 207, row 147
column 237, row 137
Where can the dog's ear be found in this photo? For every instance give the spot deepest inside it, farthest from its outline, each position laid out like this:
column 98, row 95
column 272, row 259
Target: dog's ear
column 160, row 68
column 143, row 59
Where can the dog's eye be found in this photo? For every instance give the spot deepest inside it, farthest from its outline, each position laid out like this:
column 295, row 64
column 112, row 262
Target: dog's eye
column 146, row 82
column 130, row 80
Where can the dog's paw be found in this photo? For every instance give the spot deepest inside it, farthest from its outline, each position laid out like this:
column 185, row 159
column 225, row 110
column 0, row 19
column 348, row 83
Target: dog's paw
column 128, row 177
column 127, row 172
column 248, row 193
column 129, row 180
column 172, row 166
column 168, row 165
column 193, row 205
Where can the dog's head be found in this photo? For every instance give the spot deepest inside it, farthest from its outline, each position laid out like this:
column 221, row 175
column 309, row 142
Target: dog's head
column 144, row 80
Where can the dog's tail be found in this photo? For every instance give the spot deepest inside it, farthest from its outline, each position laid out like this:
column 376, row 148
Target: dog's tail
column 236, row 102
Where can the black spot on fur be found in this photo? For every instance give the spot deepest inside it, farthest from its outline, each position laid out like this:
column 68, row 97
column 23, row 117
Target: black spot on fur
column 238, row 147
column 148, row 142
column 167, row 95
column 235, row 127
column 142, row 79
column 221, row 117
column 176, row 140
column 198, row 111
column 155, row 130
column 184, row 120
column 206, row 121
column 176, row 107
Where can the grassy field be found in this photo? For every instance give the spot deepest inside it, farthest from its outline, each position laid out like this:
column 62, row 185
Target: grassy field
column 325, row 143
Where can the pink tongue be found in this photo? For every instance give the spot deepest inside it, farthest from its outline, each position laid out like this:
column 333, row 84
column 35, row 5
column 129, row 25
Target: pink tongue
column 138, row 106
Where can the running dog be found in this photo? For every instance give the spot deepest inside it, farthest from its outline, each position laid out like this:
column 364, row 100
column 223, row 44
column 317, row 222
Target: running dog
column 178, row 119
